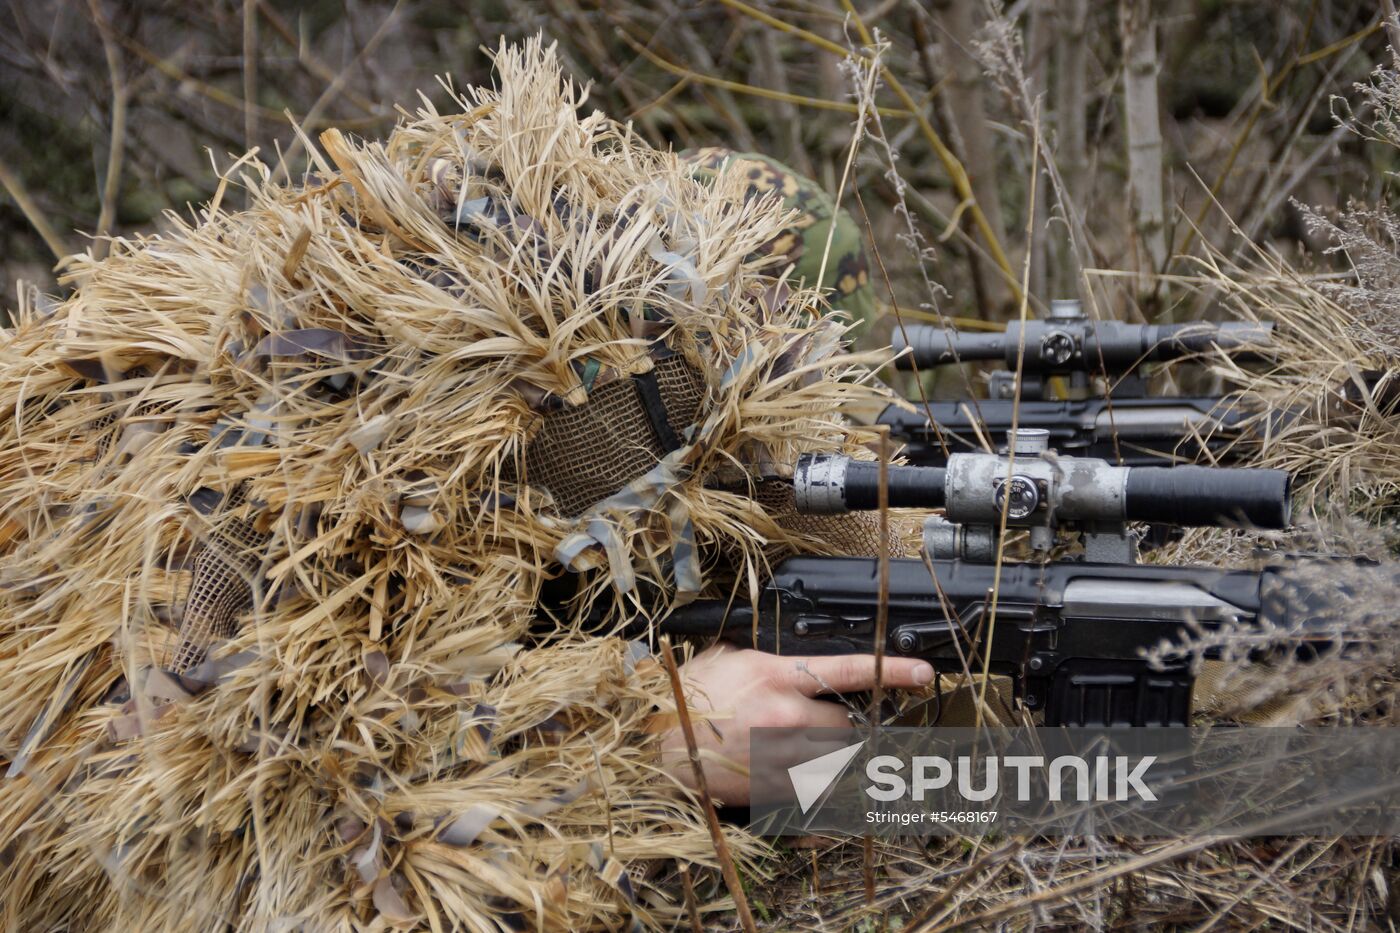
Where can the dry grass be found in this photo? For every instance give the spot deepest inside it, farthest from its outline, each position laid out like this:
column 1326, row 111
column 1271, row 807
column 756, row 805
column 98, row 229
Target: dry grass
column 383, row 752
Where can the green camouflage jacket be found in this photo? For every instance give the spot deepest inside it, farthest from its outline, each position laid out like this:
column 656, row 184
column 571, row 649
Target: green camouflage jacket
column 847, row 273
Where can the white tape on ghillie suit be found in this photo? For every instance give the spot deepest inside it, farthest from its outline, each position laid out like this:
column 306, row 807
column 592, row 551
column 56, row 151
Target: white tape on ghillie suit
column 282, row 487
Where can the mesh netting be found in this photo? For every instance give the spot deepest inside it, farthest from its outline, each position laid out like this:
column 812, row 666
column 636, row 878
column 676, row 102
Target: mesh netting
column 221, row 585
column 584, row 454
column 101, row 429
column 682, row 389
column 854, row 533
column 581, row 455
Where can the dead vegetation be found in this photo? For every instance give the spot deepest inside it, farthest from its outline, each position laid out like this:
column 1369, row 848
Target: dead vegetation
column 1333, row 376
column 277, row 525
column 1242, row 91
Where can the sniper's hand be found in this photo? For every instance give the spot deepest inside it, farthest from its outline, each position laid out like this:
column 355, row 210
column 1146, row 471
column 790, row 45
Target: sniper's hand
column 740, row 689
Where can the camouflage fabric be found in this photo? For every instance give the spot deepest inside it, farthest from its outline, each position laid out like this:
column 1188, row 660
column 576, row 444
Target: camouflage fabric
column 847, row 269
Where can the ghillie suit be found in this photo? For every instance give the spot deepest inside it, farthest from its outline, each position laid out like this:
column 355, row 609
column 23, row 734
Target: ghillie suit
column 282, row 488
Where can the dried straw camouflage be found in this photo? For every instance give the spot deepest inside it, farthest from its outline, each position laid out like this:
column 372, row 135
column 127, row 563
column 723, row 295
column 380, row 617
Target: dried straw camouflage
column 284, row 486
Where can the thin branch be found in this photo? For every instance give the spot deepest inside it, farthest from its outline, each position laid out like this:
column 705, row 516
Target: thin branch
column 692, row 909
column 726, row 860
column 250, row 74
column 332, row 90
column 956, row 172
column 954, row 168
column 116, row 148
column 308, row 59
column 752, row 90
column 1015, row 424
column 233, row 102
column 14, row 186
column 661, row 100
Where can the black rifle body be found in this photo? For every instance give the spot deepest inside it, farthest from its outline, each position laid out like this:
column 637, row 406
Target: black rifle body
column 1149, row 431
column 1071, row 635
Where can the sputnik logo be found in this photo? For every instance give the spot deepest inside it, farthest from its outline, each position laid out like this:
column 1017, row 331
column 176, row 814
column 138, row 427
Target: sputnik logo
column 812, row 778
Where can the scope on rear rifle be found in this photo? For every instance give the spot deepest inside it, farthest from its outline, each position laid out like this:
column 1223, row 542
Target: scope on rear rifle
column 1115, row 421
column 1128, row 431
column 1067, row 343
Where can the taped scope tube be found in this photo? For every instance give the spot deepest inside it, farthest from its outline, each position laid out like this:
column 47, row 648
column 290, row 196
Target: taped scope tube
column 1191, row 496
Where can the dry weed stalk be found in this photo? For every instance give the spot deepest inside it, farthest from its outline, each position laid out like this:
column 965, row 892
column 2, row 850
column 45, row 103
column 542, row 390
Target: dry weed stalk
column 1327, row 412
column 1328, row 406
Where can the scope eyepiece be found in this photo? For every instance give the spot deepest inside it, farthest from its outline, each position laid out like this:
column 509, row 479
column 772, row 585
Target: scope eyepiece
column 829, row 484
column 939, row 346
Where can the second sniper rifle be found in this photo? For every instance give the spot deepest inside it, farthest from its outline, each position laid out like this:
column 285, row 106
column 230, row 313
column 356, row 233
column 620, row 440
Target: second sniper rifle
column 1073, row 635
column 1126, row 427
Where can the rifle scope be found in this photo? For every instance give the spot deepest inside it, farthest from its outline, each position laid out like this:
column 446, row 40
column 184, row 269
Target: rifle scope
column 973, row 487
column 1068, row 345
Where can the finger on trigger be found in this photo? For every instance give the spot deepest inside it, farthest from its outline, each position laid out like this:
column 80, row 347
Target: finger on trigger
column 907, row 673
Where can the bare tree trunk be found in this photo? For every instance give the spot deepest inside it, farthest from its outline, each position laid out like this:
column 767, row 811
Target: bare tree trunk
column 964, row 95
column 775, row 77
column 830, row 147
column 1144, row 139
column 942, row 118
column 1038, row 45
column 1392, row 29
column 1071, row 131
